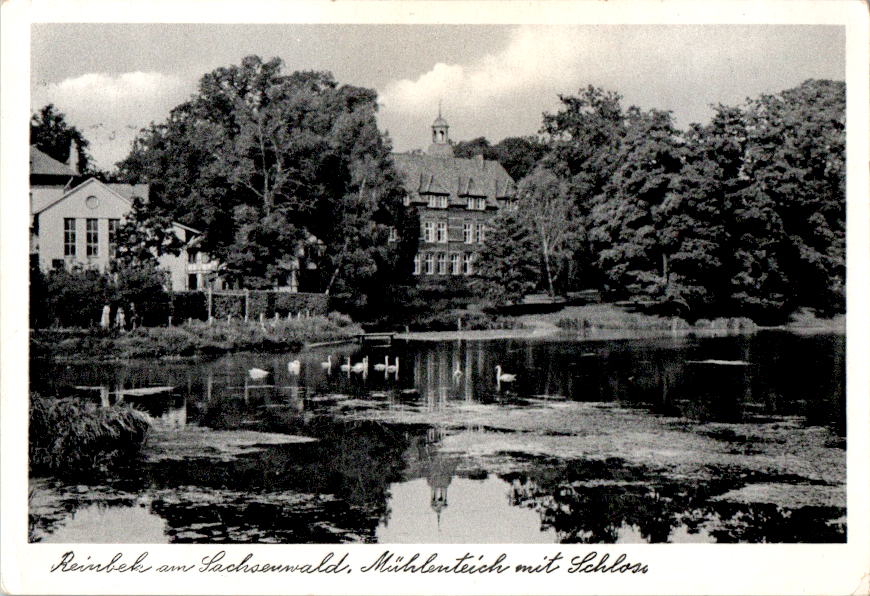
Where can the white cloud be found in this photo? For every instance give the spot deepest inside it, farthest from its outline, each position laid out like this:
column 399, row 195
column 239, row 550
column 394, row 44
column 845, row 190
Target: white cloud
column 678, row 68
column 534, row 56
column 111, row 109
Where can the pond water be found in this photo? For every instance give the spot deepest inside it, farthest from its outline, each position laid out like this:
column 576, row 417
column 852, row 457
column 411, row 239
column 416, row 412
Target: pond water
column 594, row 441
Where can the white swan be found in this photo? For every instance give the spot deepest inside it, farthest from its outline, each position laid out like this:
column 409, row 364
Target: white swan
column 361, row 366
column 327, row 365
column 294, row 366
column 501, row 377
column 393, row 368
column 384, row 365
column 346, row 367
column 258, row 373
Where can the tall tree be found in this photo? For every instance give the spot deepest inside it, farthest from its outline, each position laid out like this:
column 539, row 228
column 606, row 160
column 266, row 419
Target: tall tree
column 508, row 266
column 795, row 161
column 53, row 135
column 696, row 224
column 263, row 161
column 545, row 208
column 625, row 222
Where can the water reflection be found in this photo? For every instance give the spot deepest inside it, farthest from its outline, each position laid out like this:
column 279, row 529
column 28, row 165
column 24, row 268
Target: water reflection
column 366, row 481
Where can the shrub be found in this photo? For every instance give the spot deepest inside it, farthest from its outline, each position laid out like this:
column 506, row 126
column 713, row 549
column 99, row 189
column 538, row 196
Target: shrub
column 69, row 437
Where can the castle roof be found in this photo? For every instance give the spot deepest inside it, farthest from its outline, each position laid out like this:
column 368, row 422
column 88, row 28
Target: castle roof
column 454, row 176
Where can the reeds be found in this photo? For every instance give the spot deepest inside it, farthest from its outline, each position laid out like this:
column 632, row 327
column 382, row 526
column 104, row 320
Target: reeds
column 70, row 437
column 193, row 338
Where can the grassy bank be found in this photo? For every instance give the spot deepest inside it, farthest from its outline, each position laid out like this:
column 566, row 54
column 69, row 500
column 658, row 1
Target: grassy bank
column 68, row 437
column 190, row 339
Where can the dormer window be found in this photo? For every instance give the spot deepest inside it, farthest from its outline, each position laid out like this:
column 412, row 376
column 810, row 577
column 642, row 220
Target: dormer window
column 477, row 203
column 437, row 202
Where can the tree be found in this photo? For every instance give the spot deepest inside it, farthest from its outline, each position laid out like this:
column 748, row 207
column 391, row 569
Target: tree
column 696, row 224
column 625, row 223
column 264, row 161
column 518, row 155
column 508, row 266
column 795, row 161
column 584, row 139
column 53, row 135
column 545, row 208
column 144, row 235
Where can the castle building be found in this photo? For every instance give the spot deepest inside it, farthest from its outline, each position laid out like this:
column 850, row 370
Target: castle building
column 457, row 198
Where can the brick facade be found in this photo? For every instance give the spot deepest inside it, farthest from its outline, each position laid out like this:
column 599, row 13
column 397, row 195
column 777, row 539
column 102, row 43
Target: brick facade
column 456, row 199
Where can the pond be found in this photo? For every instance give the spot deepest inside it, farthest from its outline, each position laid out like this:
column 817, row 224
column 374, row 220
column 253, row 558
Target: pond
column 678, row 439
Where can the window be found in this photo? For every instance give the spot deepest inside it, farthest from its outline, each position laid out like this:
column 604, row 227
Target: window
column 429, row 231
column 113, row 237
column 437, row 202
column 416, row 264
column 455, row 264
column 442, row 232
column 69, row 237
column 477, row 203
column 467, row 232
column 468, row 262
column 92, row 237
column 191, row 281
column 393, row 235
column 481, row 233
column 430, row 263
column 442, row 263
column 191, row 256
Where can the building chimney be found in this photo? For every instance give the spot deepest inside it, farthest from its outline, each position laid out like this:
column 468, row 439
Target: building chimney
column 73, row 161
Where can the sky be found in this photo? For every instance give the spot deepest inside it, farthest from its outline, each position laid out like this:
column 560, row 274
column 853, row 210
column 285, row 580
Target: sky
column 496, row 81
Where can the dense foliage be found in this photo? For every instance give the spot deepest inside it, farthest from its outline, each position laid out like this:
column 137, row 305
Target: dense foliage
column 508, row 265
column 518, row 155
column 741, row 216
column 286, row 175
column 53, row 135
column 69, row 438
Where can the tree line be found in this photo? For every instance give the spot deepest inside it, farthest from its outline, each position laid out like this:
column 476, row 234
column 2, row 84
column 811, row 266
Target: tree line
column 289, row 174
column 743, row 216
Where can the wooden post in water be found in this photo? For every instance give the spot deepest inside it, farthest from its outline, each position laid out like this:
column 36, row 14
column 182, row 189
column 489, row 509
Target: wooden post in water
column 247, row 301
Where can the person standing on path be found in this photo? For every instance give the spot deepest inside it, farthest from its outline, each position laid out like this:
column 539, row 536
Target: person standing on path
column 106, row 319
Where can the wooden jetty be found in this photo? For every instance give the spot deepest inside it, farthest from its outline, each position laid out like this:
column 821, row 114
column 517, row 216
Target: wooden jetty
column 385, row 338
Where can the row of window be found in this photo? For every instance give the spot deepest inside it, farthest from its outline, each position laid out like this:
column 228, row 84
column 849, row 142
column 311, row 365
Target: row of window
column 440, row 202
column 437, row 232
column 441, row 263
column 92, row 237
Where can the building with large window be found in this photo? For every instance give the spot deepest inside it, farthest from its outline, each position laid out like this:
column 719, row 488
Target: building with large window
column 74, row 222
column 456, row 199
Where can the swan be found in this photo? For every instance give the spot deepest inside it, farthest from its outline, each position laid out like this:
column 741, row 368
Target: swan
column 361, row 366
column 346, row 367
column 294, row 366
column 258, row 373
column 393, row 368
column 501, row 377
column 384, row 365
column 327, row 365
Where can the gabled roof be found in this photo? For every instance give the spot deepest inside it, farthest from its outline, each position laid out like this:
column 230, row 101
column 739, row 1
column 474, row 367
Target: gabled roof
column 128, row 191
column 42, row 164
column 456, row 176
column 125, row 192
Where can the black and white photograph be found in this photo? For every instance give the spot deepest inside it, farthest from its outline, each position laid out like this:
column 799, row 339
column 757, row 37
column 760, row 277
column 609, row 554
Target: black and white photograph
column 357, row 283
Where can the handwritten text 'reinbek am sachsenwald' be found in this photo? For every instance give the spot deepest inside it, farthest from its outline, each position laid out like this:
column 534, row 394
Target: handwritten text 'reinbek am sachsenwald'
column 387, row 562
